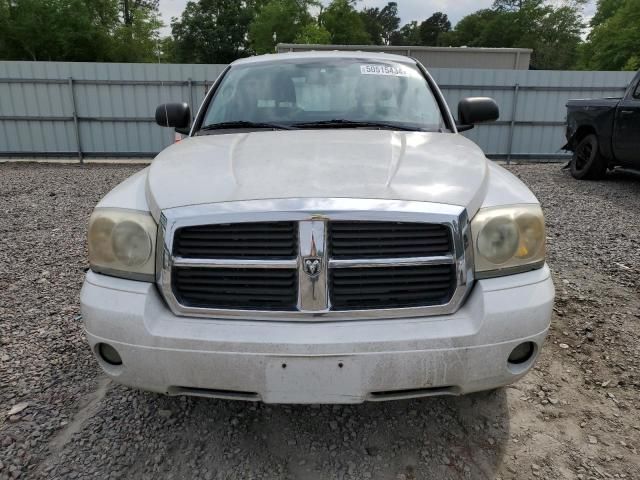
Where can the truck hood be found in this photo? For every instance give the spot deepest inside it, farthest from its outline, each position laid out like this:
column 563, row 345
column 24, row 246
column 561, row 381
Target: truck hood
column 430, row 167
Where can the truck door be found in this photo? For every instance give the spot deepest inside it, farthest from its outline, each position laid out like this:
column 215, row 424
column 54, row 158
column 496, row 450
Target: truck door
column 626, row 128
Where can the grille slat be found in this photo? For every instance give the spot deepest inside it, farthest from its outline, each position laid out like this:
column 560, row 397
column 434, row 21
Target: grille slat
column 237, row 288
column 399, row 243
column 360, row 225
column 402, row 289
column 355, row 239
column 372, row 281
column 391, row 287
column 390, row 252
column 227, row 281
column 277, row 244
column 258, row 240
column 249, row 254
column 385, row 272
column 252, row 292
column 359, row 234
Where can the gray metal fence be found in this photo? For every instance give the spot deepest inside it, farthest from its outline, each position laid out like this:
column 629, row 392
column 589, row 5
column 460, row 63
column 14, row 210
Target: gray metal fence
column 92, row 109
column 55, row 109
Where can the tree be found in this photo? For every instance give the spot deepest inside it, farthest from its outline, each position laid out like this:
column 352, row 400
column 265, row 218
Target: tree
column 433, row 27
column 613, row 43
column 605, row 10
column 553, row 32
column 381, row 24
column 372, row 25
column 555, row 37
column 211, row 31
column 71, row 30
column 138, row 40
column 389, row 20
column 408, row 35
column 344, row 23
column 287, row 19
column 167, row 50
column 4, row 27
column 313, row 34
column 129, row 7
column 513, row 5
column 78, row 30
column 473, row 30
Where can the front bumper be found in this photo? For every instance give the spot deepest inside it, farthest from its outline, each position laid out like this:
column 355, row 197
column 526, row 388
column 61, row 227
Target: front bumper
column 324, row 362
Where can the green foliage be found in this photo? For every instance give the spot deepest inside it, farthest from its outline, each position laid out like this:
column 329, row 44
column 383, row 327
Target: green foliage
column 211, row 31
column 131, row 7
column 475, row 30
column 408, row 35
column 344, row 23
column 389, row 20
column 220, row 31
column 553, row 32
column 52, row 30
column 137, row 41
column 76, row 30
column 313, row 34
column 514, row 5
column 433, row 27
column 167, row 50
column 606, row 9
column 287, row 19
column 381, row 24
column 614, row 43
column 372, row 25
column 554, row 38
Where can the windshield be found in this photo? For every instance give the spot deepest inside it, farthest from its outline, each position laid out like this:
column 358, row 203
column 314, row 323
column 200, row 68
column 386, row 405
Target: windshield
column 308, row 93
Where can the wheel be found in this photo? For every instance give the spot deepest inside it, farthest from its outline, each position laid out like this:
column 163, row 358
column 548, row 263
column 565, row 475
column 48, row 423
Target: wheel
column 587, row 163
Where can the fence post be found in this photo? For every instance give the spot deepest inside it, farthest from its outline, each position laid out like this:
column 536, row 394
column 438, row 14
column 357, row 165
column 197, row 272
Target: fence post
column 190, row 84
column 75, row 120
column 512, row 123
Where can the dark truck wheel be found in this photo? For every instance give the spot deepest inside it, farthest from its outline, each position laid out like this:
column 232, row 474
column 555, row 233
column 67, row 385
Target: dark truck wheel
column 587, row 163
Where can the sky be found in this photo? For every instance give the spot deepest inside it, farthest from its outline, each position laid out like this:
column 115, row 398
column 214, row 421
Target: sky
column 408, row 9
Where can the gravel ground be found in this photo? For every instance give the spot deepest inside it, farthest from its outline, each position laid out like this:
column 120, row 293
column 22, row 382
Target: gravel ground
column 576, row 415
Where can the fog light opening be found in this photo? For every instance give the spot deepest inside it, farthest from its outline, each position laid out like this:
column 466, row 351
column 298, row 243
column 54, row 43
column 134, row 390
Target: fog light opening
column 522, row 353
column 109, row 354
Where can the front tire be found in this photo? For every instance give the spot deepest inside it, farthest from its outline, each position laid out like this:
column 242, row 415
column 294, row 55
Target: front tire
column 587, row 163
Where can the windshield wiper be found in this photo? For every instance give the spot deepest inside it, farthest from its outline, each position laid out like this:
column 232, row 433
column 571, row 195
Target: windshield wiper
column 245, row 124
column 344, row 123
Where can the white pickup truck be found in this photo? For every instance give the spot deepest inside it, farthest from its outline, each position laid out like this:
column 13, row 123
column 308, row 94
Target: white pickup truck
column 324, row 234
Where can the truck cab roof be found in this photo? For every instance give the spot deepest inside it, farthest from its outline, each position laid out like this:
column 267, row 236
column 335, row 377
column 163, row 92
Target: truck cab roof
column 288, row 56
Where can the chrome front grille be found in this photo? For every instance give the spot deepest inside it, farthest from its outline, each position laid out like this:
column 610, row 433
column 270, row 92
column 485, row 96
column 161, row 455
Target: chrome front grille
column 314, row 259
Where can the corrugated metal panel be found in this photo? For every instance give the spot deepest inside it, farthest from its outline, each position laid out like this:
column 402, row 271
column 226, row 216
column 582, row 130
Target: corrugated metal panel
column 542, row 98
column 116, row 103
column 102, row 91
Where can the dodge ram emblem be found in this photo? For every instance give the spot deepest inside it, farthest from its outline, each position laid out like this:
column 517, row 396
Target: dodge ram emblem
column 311, row 266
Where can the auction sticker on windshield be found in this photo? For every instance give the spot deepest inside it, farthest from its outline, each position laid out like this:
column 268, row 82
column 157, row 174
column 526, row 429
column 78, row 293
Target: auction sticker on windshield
column 383, row 70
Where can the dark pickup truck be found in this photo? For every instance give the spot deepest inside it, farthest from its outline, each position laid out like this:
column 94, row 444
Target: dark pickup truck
column 604, row 133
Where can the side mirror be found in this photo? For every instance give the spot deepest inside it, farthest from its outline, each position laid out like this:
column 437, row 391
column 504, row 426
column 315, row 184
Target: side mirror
column 177, row 115
column 474, row 110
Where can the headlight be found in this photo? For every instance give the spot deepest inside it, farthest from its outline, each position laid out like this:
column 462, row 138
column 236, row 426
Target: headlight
column 508, row 239
column 122, row 243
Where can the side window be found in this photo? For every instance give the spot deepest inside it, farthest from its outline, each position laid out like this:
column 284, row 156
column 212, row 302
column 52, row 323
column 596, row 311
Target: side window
column 636, row 93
